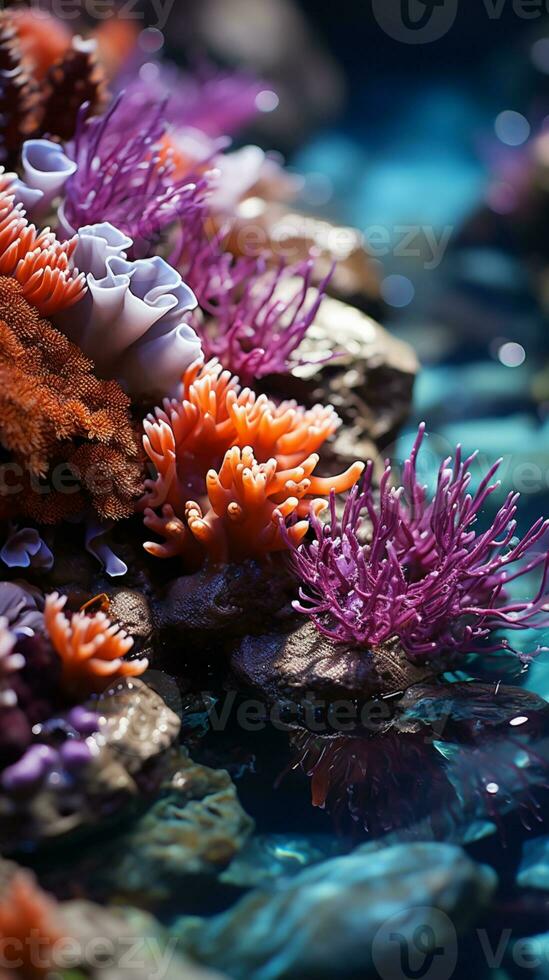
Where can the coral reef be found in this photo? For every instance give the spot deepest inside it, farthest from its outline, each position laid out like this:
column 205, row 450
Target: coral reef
column 425, row 574
column 91, row 649
column 57, row 414
column 250, row 462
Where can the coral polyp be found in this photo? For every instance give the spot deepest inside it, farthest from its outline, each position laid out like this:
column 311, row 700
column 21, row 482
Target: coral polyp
column 38, row 261
column 91, row 649
column 425, row 575
column 232, row 467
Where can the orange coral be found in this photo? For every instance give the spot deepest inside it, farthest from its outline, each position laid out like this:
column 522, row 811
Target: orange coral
column 43, row 39
column 37, row 260
column 231, row 467
column 29, row 927
column 55, row 414
column 91, row 649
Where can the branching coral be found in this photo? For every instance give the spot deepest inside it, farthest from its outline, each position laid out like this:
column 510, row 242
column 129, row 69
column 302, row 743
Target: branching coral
column 56, row 417
column 252, row 317
column 38, row 261
column 425, row 575
column 30, row 925
column 121, row 177
column 255, row 330
column 91, row 649
column 232, row 467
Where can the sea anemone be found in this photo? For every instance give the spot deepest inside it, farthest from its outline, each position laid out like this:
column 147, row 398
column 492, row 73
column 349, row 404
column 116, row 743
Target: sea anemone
column 121, row 177
column 231, row 467
column 256, row 328
column 253, row 316
column 425, row 575
column 91, row 649
column 207, row 100
column 38, row 261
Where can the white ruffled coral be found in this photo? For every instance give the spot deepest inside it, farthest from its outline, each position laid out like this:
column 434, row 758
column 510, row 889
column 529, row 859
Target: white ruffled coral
column 46, row 169
column 131, row 321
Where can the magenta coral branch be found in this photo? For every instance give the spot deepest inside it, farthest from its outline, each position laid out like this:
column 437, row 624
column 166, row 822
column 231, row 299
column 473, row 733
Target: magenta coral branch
column 122, row 177
column 254, row 317
column 425, row 574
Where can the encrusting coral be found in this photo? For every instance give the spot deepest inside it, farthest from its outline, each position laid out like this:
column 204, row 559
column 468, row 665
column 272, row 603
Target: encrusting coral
column 232, row 468
column 425, row 575
column 91, row 649
column 55, row 413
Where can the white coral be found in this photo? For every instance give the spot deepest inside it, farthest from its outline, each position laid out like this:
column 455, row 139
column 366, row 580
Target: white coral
column 131, row 322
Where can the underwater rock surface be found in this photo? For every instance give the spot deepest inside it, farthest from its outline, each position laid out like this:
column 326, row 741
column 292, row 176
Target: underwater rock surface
column 268, row 857
column 188, row 836
column 370, row 382
column 289, row 665
column 334, row 919
column 128, row 759
column 232, row 599
column 534, row 867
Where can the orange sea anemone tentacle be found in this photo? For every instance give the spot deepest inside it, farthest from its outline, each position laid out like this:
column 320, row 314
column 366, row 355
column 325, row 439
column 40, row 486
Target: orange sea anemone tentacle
column 232, row 467
column 91, row 649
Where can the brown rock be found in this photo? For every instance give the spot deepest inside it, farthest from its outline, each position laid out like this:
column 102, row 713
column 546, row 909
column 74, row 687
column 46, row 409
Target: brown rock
column 295, row 664
column 131, row 760
column 370, row 382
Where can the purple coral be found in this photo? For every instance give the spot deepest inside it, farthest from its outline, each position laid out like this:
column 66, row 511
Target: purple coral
column 425, row 574
column 124, row 177
column 212, row 101
column 253, row 317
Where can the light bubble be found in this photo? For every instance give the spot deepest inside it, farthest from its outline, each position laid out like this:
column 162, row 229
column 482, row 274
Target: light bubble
column 397, row 291
column 492, row 788
column 267, row 101
column 511, row 354
column 317, row 189
column 149, row 72
column 151, row 40
column 540, row 54
column 519, row 720
column 512, row 128
column 502, row 198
